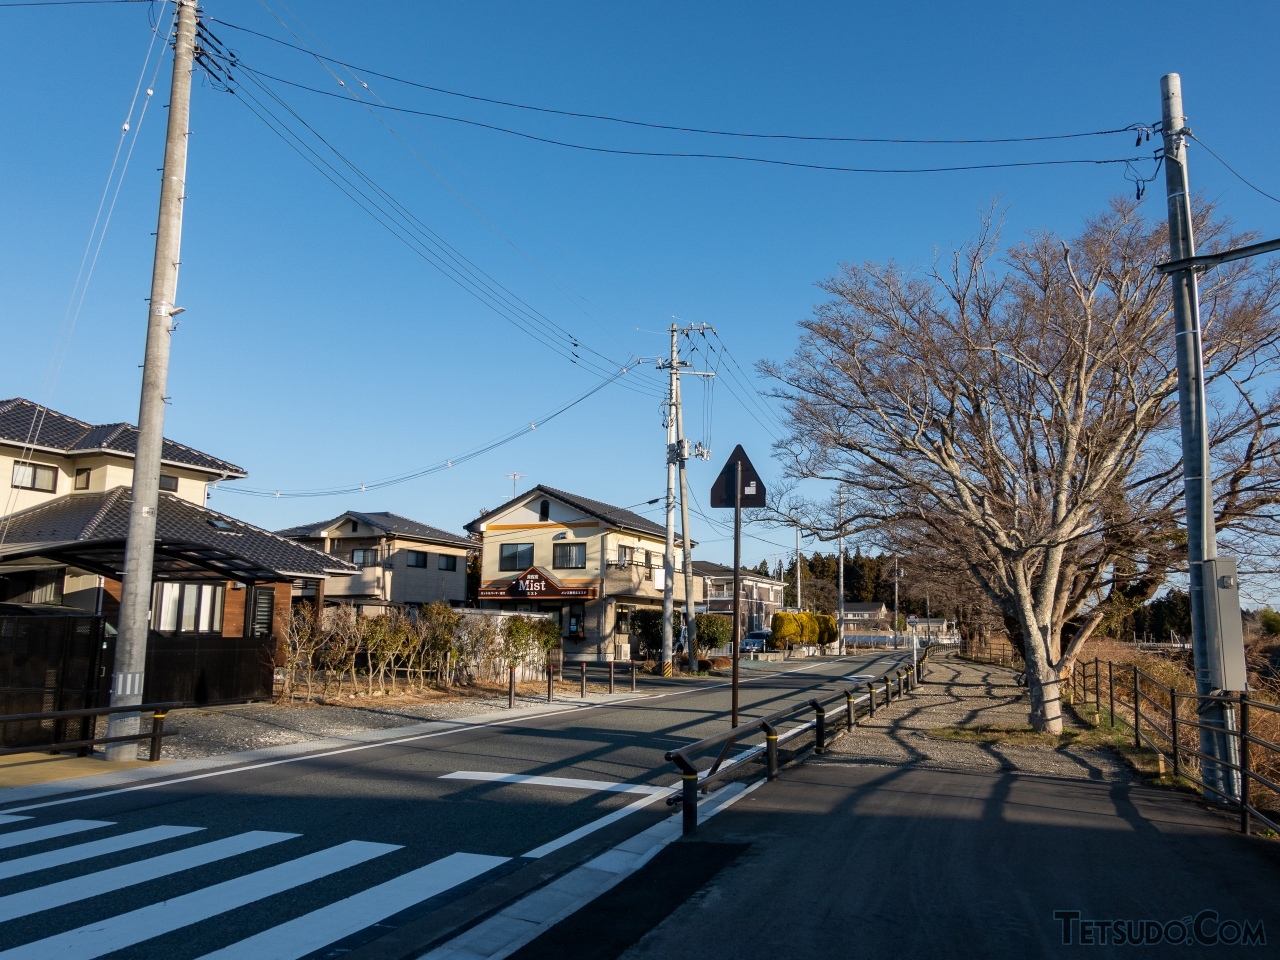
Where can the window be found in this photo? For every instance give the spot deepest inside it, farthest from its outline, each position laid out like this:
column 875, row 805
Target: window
column 625, row 555
column 648, row 564
column 364, row 558
column 448, row 562
column 188, row 607
column 544, row 511
column 354, row 526
column 569, row 556
column 624, row 619
column 35, row 476
column 168, row 484
column 515, row 556
column 416, row 558
column 82, row 478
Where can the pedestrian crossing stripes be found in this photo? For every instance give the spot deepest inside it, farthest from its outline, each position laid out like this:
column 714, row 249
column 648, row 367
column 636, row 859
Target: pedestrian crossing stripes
column 87, row 851
column 36, row 834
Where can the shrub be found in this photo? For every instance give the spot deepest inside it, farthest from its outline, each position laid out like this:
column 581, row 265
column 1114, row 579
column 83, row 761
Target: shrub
column 714, row 630
column 827, row 630
column 786, row 629
column 646, row 631
column 808, row 628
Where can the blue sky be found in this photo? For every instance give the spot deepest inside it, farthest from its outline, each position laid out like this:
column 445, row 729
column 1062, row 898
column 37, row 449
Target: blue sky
column 317, row 350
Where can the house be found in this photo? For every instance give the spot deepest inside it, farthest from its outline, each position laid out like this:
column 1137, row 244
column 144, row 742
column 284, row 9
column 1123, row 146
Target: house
column 761, row 595
column 400, row 561
column 221, row 586
column 871, row 620
column 587, row 564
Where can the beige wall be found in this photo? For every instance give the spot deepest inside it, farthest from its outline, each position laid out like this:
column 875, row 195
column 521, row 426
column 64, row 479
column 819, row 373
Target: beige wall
column 106, row 472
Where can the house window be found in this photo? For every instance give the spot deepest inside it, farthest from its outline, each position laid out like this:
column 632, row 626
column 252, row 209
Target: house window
column 515, row 556
column 364, row 558
column 624, row 619
column 625, row 555
column 569, row 556
column 82, row 478
column 648, row 564
column 188, row 607
column 448, row 562
column 354, row 526
column 168, row 484
column 416, row 558
column 34, row 476
column 544, row 511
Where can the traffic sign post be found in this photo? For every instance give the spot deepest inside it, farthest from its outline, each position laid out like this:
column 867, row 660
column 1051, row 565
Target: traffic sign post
column 737, row 486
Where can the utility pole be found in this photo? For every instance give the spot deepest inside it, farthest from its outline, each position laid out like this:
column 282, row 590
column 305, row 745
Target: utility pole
column 798, row 606
column 897, row 574
column 682, row 451
column 668, row 557
column 135, row 598
column 1202, row 551
column 840, row 574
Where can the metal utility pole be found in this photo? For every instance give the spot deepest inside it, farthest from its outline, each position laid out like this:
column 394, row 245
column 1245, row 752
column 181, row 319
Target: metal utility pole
column 1208, row 644
column 135, row 598
column 682, row 451
column 798, row 606
column 897, row 574
column 840, row 577
column 668, row 557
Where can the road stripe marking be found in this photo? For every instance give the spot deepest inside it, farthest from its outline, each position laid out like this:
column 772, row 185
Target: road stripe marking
column 49, row 832
column 59, row 894
column 317, row 929
column 9, row 818
column 599, row 786
column 126, row 929
column 95, row 848
column 594, row 825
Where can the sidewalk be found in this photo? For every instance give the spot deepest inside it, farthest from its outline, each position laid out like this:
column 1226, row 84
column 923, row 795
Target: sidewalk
column 893, row 844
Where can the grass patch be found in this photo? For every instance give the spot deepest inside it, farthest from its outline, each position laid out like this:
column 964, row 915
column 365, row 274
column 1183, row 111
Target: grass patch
column 1013, row 736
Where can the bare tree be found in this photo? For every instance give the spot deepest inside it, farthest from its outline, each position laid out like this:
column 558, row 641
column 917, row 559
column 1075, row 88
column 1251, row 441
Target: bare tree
column 1020, row 412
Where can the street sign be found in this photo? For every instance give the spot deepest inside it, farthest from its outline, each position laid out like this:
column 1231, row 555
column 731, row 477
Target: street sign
column 752, row 485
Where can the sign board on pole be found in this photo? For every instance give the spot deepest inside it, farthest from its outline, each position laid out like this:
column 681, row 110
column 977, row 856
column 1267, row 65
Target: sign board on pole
column 752, row 486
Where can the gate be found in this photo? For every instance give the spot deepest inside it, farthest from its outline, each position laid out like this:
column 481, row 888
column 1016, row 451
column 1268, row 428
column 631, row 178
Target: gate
column 48, row 664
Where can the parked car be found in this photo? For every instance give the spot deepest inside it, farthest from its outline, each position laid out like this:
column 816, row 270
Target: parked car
column 755, row 642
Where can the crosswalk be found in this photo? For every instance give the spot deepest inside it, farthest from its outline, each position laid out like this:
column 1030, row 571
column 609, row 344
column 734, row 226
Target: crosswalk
column 291, row 939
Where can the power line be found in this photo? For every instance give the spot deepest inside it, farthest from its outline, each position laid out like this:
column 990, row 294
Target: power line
column 676, row 127
column 1233, row 170
column 679, row 155
column 66, row 3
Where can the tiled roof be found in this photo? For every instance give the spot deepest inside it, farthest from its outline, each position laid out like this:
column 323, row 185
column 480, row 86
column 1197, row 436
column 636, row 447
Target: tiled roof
column 59, row 432
column 391, row 523
column 105, row 517
column 614, row 516
column 705, row 568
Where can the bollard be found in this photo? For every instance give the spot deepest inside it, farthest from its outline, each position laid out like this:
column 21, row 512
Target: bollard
column 820, row 746
column 611, row 664
column 633, row 676
column 157, row 730
column 511, row 688
column 770, row 751
column 583, row 692
column 888, row 691
column 871, row 699
column 690, row 804
column 849, row 713
column 551, row 679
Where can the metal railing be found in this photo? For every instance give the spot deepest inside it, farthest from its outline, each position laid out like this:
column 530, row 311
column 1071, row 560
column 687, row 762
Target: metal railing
column 860, row 700
column 157, row 711
column 1160, row 721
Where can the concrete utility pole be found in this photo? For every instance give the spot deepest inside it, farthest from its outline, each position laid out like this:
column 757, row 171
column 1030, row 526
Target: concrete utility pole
column 897, row 574
column 668, row 557
column 840, row 576
column 135, row 599
column 798, row 606
column 1202, row 550
column 690, row 623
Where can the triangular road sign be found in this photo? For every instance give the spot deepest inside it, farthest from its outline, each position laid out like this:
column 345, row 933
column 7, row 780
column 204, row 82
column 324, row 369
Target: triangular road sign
column 752, row 485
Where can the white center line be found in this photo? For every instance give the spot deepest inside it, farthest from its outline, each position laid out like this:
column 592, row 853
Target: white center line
column 60, row 894
column 317, row 929
column 124, row 930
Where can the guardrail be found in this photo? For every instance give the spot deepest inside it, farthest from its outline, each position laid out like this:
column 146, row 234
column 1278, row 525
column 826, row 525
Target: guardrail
column 904, row 680
column 157, row 711
column 1160, row 722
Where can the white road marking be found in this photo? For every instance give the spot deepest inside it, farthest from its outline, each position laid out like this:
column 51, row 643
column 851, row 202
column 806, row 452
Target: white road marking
column 594, row 825
column 95, row 848
column 49, row 832
column 126, row 929
column 59, row 894
column 599, row 786
column 9, row 818
column 309, row 933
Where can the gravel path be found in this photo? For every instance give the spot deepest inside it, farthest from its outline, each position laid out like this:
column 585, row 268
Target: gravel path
column 956, row 692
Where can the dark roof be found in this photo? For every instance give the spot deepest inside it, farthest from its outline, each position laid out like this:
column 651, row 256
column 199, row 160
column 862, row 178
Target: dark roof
column 614, row 516
column 23, row 422
column 101, row 520
column 390, row 522
column 705, row 568
column 865, row 607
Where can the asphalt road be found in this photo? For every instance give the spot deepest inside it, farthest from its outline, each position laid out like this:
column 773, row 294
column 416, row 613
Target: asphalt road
column 335, row 851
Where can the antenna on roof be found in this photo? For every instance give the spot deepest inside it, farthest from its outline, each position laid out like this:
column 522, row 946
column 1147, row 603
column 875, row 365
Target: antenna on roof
column 514, row 478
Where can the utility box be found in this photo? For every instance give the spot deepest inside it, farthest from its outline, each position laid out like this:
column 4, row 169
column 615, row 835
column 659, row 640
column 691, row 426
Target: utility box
column 1222, row 620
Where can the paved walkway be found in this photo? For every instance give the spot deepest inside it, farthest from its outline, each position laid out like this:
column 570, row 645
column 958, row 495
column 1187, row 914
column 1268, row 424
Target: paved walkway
column 897, row 845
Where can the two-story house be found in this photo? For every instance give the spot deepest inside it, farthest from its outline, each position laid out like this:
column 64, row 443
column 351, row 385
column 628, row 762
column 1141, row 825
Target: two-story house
column 587, row 564
column 761, row 595
column 221, row 595
column 400, row 561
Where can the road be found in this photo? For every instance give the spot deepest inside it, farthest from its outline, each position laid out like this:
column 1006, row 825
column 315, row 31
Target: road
column 344, row 849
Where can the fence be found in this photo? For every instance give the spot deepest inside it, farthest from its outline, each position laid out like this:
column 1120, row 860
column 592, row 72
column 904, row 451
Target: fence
column 697, row 781
column 1165, row 720
column 56, row 720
